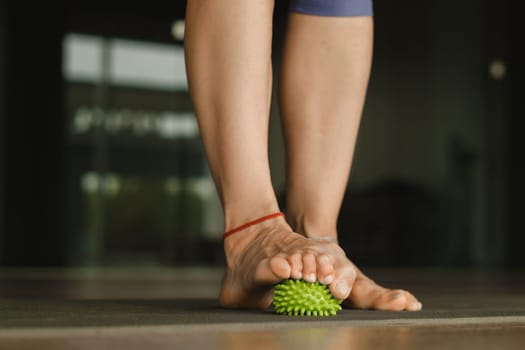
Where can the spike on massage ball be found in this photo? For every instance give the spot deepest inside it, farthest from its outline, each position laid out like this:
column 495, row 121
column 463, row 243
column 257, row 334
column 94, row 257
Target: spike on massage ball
column 301, row 298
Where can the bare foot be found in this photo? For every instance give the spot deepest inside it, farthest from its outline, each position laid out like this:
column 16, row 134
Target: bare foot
column 264, row 254
column 366, row 294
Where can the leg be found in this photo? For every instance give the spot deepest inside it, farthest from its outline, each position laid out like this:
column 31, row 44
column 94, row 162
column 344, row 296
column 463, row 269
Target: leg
column 227, row 46
column 325, row 73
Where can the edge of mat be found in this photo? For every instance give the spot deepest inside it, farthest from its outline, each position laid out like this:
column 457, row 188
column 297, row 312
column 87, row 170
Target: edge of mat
column 214, row 327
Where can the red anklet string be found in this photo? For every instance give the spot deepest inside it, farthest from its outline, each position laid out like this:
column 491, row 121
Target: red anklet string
column 251, row 223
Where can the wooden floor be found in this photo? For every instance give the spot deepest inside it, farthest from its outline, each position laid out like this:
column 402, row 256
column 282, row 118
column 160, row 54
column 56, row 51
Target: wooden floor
column 177, row 309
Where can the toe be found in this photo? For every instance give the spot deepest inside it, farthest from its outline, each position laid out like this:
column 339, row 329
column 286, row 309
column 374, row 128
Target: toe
column 296, row 264
column 272, row 270
column 412, row 304
column 343, row 282
column 309, row 268
column 325, row 269
column 392, row 300
column 415, row 306
column 280, row 267
column 397, row 300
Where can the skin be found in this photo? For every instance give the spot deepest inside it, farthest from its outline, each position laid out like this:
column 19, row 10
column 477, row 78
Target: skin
column 321, row 111
column 228, row 58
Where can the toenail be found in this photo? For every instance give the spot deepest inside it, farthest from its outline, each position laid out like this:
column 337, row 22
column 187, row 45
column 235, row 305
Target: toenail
column 397, row 295
column 416, row 306
column 343, row 289
column 310, row 277
column 328, row 279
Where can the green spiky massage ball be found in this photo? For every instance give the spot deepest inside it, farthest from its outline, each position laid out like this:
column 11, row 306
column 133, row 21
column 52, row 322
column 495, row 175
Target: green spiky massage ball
column 301, row 298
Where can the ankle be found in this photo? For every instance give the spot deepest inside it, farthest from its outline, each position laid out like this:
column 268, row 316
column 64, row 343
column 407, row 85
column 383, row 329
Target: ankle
column 252, row 223
column 237, row 213
column 313, row 226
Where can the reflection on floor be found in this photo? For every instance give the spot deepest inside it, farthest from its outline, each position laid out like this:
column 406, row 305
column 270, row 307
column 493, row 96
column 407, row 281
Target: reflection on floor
column 177, row 309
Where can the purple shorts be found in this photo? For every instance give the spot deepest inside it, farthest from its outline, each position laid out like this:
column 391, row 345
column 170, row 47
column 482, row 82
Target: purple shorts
column 341, row 8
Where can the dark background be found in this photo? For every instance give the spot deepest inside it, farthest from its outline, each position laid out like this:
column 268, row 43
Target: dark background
column 438, row 174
